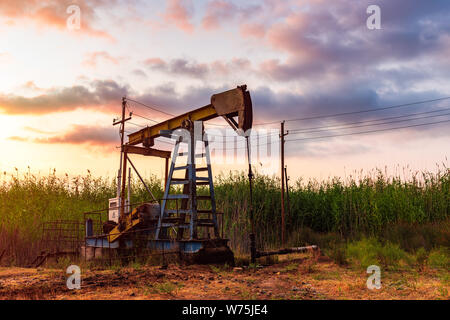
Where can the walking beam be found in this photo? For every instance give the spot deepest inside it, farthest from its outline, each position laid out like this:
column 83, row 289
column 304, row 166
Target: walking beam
column 228, row 104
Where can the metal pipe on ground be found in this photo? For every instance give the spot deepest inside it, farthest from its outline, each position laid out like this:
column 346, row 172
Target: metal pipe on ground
column 286, row 251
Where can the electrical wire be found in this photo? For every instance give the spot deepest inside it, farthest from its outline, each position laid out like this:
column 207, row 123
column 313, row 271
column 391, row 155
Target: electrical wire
column 341, row 135
column 373, row 120
column 358, row 112
column 370, row 131
column 155, row 108
column 317, row 129
column 374, row 124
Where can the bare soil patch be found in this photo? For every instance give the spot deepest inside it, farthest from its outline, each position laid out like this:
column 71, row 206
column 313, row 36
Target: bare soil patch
column 292, row 278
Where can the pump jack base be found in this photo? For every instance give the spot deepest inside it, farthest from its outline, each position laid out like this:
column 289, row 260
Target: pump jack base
column 210, row 253
column 202, row 251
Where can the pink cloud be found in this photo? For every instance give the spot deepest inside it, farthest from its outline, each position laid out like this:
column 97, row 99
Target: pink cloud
column 92, row 58
column 77, row 135
column 286, row 35
column 155, row 62
column 257, row 30
column 99, row 95
column 52, row 13
column 225, row 68
column 218, row 11
column 179, row 13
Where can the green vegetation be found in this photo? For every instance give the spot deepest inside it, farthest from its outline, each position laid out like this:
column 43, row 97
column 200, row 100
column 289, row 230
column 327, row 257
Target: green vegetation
column 247, row 295
column 440, row 258
column 220, row 269
column 166, row 287
column 372, row 251
column 373, row 205
column 290, row 267
column 406, row 214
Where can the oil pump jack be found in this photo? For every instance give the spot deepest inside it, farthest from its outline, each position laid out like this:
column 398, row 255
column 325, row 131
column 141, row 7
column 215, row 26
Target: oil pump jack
column 186, row 222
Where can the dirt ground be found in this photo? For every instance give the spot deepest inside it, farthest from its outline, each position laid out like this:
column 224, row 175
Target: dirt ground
column 293, row 278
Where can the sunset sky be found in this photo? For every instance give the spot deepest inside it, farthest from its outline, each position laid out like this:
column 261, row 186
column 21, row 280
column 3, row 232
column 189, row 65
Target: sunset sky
column 61, row 88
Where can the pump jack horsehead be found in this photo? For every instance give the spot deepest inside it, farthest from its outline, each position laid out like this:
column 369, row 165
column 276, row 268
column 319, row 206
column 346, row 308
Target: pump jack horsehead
column 176, row 222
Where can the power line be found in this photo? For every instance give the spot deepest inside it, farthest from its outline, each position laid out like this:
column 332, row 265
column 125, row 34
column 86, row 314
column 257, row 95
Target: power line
column 155, row 108
column 143, row 117
column 137, row 124
column 345, row 134
column 373, row 120
column 375, row 124
column 308, row 130
column 358, row 112
column 370, row 131
column 333, row 136
column 167, row 113
column 350, row 127
column 346, row 125
column 308, row 118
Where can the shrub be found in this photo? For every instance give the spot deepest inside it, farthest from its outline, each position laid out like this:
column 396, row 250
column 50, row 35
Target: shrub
column 338, row 253
column 390, row 255
column 364, row 252
column 439, row 258
column 370, row 251
column 421, row 257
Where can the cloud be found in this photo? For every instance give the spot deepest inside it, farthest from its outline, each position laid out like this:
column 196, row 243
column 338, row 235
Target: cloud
column 218, row 11
column 99, row 95
column 256, row 30
column 329, row 42
column 92, row 58
column 39, row 131
column 155, row 62
column 192, row 68
column 332, row 39
column 179, row 13
column 78, row 134
column 178, row 66
column 52, row 13
column 319, row 99
column 268, row 106
column 319, row 52
column 140, row 73
column 106, row 95
column 344, row 98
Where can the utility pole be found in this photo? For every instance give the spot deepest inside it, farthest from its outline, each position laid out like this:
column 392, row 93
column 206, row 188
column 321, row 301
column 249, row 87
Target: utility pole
column 283, row 226
column 123, row 162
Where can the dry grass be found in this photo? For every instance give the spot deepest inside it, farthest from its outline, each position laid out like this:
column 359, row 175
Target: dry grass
column 286, row 279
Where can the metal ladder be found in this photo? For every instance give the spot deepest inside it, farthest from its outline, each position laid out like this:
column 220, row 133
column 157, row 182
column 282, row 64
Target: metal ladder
column 177, row 218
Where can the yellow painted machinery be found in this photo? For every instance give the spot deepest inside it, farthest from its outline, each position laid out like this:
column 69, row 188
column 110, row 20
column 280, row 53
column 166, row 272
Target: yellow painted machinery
column 228, row 104
column 182, row 220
